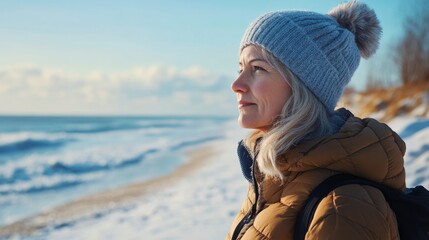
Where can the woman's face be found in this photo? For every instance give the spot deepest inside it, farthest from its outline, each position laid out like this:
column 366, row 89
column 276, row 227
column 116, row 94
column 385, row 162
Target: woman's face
column 261, row 91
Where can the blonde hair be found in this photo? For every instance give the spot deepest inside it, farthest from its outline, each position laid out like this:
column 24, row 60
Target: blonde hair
column 303, row 116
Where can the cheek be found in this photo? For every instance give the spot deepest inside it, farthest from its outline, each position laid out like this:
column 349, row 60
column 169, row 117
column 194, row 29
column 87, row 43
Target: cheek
column 273, row 96
column 263, row 92
column 279, row 99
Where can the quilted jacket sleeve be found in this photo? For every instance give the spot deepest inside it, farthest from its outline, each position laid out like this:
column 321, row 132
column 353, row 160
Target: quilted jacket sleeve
column 354, row 212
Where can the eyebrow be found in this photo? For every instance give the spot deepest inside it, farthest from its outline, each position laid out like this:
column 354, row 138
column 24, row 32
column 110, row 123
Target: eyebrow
column 253, row 60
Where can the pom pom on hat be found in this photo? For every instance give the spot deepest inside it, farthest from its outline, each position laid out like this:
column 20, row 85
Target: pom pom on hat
column 359, row 19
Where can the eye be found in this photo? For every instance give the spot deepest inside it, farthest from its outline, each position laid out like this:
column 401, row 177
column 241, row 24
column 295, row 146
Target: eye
column 258, row 68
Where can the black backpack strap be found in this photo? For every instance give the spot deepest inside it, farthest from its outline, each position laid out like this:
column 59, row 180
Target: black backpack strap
column 321, row 191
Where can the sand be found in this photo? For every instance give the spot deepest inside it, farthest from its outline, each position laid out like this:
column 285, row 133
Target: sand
column 103, row 201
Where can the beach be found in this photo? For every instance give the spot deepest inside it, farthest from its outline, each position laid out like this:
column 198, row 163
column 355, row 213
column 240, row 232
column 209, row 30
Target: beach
column 197, row 200
column 208, row 175
column 104, row 201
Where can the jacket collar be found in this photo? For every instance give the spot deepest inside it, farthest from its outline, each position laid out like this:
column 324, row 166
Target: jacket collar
column 245, row 156
column 246, row 161
column 362, row 147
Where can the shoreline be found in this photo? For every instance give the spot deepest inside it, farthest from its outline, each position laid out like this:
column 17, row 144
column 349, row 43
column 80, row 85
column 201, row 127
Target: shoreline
column 91, row 205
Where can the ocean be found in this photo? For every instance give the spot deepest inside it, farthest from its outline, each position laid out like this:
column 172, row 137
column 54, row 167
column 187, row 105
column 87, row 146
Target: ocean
column 48, row 161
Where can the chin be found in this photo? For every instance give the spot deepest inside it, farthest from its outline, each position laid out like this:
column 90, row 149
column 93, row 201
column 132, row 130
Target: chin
column 251, row 124
column 245, row 124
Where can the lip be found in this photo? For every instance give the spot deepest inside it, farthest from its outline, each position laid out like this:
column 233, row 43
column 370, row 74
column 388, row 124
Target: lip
column 242, row 104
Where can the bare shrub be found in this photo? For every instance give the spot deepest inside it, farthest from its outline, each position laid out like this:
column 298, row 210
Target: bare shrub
column 412, row 53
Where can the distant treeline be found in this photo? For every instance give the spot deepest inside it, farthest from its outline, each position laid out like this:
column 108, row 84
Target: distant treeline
column 410, row 54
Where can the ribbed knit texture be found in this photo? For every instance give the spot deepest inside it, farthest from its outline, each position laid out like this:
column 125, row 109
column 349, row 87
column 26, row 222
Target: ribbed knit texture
column 321, row 53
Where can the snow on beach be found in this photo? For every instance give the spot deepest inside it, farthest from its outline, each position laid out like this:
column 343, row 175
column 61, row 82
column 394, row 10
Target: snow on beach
column 415, row 132
column 203, row 204
column 199, row 205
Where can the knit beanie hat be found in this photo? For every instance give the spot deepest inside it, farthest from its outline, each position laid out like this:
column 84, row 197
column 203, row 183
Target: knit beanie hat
column 323, row 51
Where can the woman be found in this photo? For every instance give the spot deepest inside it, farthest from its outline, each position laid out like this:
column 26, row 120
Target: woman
column 294, row 66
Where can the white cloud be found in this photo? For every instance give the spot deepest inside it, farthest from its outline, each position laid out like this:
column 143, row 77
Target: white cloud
column 155, row 89
column 4, row 88
column 181, row 97
column 199, row 76
column 91, row 94
column 146, row 101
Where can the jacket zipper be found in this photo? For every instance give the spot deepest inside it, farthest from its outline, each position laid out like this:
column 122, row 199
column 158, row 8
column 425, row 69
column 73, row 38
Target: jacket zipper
column 251, row 214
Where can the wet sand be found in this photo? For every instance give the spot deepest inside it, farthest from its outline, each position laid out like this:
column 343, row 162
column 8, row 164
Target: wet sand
column 91, row 205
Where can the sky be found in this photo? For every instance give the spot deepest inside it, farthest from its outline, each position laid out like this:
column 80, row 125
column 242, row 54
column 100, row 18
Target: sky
column 138, row 57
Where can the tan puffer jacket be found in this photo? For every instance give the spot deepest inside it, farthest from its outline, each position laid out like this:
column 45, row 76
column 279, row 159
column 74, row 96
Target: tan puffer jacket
column 365, row 148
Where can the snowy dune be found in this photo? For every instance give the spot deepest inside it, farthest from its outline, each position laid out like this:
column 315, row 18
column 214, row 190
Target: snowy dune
column 202, row 204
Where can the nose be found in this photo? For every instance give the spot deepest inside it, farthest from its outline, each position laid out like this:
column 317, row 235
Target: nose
column 239, row 85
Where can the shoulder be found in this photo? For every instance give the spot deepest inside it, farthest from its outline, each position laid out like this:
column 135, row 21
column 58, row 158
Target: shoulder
column 356, row 212
column 349, row 212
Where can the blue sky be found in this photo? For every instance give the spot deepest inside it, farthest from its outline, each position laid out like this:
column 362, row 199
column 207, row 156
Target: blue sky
column 140, row 57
